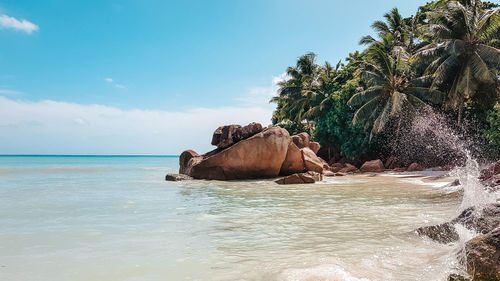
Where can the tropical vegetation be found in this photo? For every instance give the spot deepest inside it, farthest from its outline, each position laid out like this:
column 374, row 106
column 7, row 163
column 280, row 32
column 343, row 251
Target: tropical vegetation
column 444, row 59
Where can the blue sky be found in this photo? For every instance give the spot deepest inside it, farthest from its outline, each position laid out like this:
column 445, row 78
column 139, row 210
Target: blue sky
column 167, row 57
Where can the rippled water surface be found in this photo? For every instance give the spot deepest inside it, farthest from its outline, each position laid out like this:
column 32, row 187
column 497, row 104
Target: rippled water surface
column 115, row 218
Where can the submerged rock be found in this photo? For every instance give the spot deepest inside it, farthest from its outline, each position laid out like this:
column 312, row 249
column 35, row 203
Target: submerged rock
column 301, row 178
column 481, row 221
column 374, row 166
column 177, row 177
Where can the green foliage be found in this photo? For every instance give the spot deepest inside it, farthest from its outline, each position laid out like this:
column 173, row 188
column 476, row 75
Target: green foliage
column 334, row 127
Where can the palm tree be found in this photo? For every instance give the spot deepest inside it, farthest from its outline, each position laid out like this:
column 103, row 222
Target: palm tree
column 464, row 59
column 391, row 93
column 297, row 94
column 395, row 25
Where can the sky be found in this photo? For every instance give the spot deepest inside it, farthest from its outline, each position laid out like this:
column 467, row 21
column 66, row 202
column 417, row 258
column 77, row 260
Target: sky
column 157, row 77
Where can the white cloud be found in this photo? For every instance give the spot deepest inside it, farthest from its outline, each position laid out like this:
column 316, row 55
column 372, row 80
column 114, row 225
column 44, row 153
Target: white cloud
column 260, row 96
column 119, row 86
column 13, row 23
column 66, row 128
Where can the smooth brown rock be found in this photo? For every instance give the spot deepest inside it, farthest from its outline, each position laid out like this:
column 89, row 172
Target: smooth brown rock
column 301, row 178
column 311, row 161
column 301, row 140
column 315, row 147
column 294, row 163
column 399, row 170
column 374, row 166
column 349, row 169
column 260, row 156
column 483, row 256
column 415, row 167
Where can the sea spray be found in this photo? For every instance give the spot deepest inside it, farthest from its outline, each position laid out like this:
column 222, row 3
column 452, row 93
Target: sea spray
column 475, row 194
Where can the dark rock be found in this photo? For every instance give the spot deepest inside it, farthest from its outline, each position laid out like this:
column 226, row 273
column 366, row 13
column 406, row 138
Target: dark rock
column 455, row 183
column 302, row 178
column 301, row 140
column 226, row 136
column 177, row 177
column 374, row 166
column 481, row 221
column 483, row 256
column 415, row 167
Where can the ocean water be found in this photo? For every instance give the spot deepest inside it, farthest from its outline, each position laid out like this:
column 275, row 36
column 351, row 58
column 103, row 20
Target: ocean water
column 115, row 218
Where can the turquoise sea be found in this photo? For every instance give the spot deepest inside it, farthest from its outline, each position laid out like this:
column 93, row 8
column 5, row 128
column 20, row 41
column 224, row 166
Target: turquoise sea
column 115, row 218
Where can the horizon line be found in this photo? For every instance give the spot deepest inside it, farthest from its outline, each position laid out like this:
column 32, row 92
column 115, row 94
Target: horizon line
column 133, row 155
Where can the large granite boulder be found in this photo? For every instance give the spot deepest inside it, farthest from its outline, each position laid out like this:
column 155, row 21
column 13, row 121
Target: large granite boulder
column 479, row 220
column 301, row 178
column 483, row 256
column 374, row 166
column 294, row 162
column 260, row 156
column 226, row 136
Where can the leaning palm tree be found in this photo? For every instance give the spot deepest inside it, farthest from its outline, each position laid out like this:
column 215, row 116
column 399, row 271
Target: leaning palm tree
column 464, row 59
column 391, row 93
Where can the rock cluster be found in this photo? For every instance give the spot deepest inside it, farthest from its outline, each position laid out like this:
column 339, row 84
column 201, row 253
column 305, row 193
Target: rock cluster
column 482, row 252
column 253, row 152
